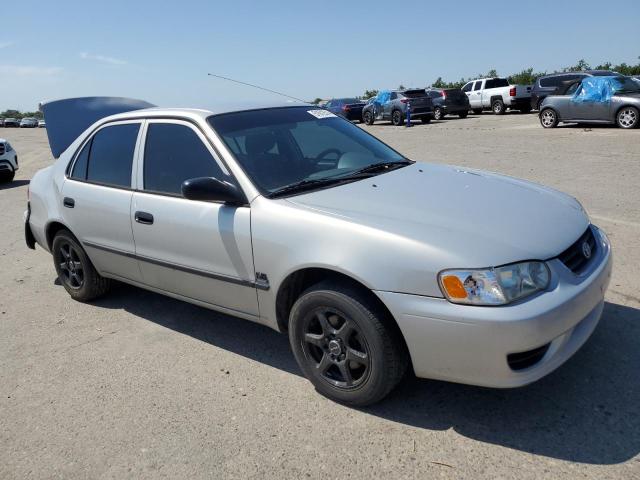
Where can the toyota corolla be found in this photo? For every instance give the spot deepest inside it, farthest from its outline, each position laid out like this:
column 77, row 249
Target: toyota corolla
column 373, row 264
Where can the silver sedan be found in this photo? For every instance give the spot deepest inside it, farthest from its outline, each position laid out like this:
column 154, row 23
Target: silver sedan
column 292, row 217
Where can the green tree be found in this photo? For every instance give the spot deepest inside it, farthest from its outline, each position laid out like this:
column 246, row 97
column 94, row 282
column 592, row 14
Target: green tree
column 316, row 101
column 369, row 93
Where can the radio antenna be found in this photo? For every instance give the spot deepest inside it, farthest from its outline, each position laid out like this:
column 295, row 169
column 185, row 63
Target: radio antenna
column 256, row 86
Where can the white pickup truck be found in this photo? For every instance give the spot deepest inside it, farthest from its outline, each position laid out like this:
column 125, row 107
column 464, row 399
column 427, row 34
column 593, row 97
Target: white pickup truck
column 498, row 95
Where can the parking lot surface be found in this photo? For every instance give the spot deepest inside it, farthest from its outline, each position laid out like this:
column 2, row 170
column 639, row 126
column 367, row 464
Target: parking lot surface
column 137, row 385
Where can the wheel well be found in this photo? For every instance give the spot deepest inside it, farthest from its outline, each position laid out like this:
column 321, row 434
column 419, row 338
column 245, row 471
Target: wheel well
column 297, row 282
column 496, row 97
column 625, row 106
column 52, row 229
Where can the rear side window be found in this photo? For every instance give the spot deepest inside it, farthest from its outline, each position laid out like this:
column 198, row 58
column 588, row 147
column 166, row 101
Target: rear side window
column 174, row 153
column 82, row 160
column 559, row 80
column 111, row 155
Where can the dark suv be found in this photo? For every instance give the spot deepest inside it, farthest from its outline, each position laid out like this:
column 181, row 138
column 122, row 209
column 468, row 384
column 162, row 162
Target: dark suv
column 554, row 83
column 392, row 105
column 449, row 101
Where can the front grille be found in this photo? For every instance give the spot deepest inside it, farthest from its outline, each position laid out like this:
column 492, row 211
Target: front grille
column 522, row 360
column 579, row 255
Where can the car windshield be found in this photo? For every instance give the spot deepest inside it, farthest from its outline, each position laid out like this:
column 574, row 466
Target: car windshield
column 625, row 85
column 283, row 147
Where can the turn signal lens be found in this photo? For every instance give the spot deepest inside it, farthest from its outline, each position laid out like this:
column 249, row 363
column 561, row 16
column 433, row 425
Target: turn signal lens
column 453, row 286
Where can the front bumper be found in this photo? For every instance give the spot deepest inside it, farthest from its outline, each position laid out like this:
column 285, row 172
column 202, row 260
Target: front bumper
column 470, row 344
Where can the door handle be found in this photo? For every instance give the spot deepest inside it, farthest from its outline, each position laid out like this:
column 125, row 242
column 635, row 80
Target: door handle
column 68, row 202
column 144, row 218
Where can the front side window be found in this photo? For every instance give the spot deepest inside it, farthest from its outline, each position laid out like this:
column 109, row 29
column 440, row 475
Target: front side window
column 174, row 153
column 477, row 85
column 111, row 155
column 281, row 146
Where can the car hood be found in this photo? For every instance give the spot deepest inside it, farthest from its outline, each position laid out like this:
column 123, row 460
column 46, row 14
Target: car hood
column 469, row 218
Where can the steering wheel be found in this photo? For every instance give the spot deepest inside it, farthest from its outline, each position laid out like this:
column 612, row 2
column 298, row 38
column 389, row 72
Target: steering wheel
column 326, row 152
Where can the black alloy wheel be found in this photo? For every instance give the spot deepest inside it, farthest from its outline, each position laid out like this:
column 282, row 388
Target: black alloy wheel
column 336, row 347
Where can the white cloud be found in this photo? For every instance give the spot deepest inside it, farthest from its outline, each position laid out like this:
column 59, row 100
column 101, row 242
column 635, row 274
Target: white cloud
column 102, row 58
column 28, row 70
column 5, row 44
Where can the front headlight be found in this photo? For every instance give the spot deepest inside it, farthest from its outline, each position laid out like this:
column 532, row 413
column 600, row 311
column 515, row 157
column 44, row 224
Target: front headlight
column 494, row 286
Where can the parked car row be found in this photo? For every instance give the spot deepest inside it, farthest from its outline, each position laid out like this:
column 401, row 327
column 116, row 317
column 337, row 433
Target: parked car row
column 27, row 122
column 495, row 94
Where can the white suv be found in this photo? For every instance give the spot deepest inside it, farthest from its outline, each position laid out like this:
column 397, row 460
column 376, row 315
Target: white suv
column 8, row 161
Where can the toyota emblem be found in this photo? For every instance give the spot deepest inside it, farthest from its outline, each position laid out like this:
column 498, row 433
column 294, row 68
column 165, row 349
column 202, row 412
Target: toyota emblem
column 586, row 250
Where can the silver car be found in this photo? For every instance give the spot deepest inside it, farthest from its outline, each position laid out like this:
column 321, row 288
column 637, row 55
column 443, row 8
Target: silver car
column 603, row 99
column 299, row 220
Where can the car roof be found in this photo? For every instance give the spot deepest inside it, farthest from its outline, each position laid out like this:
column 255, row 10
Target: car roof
column 198, row 113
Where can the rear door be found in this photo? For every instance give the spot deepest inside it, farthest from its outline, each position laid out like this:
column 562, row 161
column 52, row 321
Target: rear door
column 196, row 249
column 97, row 198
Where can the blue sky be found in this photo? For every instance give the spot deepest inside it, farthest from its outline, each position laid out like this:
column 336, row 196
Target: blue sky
column 162, row 51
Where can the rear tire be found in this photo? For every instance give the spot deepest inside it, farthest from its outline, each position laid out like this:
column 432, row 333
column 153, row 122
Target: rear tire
column 549, row 118
column 368, row 118
column 498, row 107
column 75, row 271
column 438, row 113
column 350, row 350
column 396, row 118
column 628, row 118
column 463, row 114
column 477, row 111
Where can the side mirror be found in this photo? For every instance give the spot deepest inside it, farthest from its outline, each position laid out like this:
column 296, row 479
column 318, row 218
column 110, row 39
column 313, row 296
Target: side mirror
column 212, row 189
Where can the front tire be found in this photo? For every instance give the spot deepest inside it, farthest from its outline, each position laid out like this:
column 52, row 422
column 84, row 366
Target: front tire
column 346, row 346
column 75, row 271
column 549, row 118
column 396, row 118
column 628, row 118
column 498, row 107
column 7, row 177
column 463, row 114
column 438, row 113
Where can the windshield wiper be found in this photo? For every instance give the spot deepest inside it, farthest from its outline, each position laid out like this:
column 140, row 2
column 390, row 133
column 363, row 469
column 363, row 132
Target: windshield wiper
column 303, row 185
column 377, row 167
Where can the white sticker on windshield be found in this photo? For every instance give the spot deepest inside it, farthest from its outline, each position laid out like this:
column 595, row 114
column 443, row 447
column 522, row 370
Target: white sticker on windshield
column 321, row 113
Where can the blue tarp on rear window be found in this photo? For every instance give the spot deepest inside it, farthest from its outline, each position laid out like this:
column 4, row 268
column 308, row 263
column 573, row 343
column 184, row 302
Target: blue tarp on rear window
column 383, row 97
column 596, row 89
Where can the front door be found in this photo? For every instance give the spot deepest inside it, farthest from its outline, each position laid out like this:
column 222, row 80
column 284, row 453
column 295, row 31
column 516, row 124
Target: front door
column 475, row 97
column 97, row 199
column 200, row 250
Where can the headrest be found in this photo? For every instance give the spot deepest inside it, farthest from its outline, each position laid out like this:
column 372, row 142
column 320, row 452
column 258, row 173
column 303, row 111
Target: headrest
column 258, row 143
